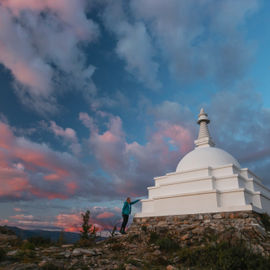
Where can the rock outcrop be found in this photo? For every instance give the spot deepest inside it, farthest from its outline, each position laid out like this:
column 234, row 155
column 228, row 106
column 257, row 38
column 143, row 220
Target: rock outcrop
column 192, row 230
column 170, row 243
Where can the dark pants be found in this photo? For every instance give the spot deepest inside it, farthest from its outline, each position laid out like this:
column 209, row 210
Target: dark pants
column 124, row 223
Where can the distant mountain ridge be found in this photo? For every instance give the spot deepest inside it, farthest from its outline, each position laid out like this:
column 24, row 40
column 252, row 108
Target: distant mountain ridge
column 69, row 237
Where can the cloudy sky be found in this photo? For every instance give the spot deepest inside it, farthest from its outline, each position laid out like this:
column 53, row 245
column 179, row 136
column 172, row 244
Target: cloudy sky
column 99, row 96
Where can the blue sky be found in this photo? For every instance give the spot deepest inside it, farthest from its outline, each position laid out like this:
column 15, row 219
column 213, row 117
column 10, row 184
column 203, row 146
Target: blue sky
column 98, row 97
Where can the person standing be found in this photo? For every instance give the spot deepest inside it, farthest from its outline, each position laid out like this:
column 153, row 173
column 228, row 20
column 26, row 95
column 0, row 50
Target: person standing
column 126, row 210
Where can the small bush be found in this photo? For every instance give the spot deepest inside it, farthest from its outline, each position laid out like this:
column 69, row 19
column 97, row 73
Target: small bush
column 144, row 228
column 167, row 244
column 39, row 241
column 153, row 237
column 132, row 237
column 16, row 242
column 223, row 256
column 25, row 255
column 26, row 245
column 265, row 219
column 88, row 231
column 5, row 230
column 2, row 254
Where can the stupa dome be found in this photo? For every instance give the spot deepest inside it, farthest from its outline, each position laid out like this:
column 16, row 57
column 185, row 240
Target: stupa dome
column 205, row 154
column 195, row 189
column 203, row 157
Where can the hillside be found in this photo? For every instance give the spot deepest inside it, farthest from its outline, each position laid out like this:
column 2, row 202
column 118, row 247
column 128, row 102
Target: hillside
column 188, row 242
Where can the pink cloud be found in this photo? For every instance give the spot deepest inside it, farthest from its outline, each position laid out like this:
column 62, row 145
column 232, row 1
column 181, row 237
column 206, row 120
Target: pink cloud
column 48, row 194
column 87, row 120
column 68, row 135
column 71, row 12
column 72, row 187
column 22, row 216
column 102, row 218
column 69, row 222
column 27, row 67
column 117, row 209
column 109, row 146
column 53, row 177
column 105, row 215
column 28, row 46
column 13, row 182
column 133, row 165
column 30, row 170
column 178, row 135
column 4, row 222
column 28, row 222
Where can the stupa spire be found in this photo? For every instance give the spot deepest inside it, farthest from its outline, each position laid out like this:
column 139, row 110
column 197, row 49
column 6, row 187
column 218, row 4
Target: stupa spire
column 204, row 138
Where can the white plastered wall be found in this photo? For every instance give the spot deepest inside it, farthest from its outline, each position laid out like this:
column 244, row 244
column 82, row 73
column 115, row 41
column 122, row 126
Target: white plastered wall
column 204, row 190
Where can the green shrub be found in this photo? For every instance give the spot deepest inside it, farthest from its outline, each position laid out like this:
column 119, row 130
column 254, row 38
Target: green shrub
column 167, row 244
column 223, row 256
column 25, row 255
column 144, row 228
column 265, row 219
column 132, row 237
column 39, row 241
column 153, row 237
column 2, row 254
column 27, row 245
column 88, row 231
column 5, row 230
column 16, row 242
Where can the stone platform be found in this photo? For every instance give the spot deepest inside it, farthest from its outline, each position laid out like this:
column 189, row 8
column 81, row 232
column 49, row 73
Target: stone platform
column 197, row 229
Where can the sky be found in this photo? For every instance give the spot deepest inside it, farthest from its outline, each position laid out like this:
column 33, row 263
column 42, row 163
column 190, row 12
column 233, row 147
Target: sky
column 97, row 97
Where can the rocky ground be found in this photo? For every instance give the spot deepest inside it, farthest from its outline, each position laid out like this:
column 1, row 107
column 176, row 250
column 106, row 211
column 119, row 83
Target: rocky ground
column 120, row 252
column 202, row 242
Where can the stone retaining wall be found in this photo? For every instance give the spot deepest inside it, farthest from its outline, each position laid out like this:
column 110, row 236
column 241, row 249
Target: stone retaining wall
column 197, row 229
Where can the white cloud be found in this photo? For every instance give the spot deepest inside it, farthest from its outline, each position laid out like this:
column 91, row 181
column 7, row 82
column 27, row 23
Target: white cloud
column 134, row 44
column 68, row 135
column 40, row 44
column 201, row 38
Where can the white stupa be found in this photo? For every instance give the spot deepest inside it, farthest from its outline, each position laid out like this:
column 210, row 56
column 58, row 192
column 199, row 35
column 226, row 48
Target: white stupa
column 207, row 180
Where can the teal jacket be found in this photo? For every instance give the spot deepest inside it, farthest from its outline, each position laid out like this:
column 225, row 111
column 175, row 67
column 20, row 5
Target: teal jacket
column 126, row 210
